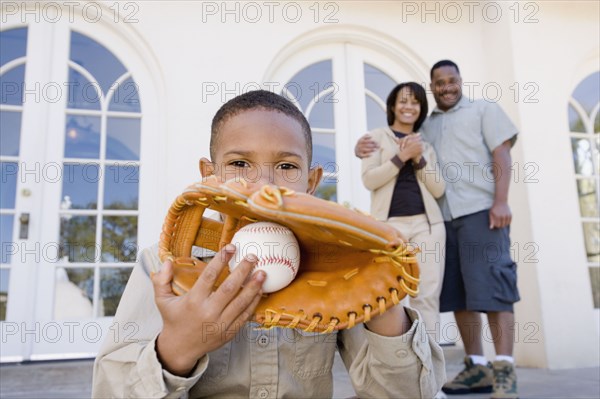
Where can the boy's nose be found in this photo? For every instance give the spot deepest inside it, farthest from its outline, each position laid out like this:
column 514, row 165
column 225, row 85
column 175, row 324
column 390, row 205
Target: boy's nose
column 266, row 176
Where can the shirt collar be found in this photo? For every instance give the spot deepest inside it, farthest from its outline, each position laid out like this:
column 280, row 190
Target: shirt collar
column 464, row 102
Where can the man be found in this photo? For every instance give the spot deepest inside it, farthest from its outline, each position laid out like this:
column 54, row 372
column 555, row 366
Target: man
column 473, row 139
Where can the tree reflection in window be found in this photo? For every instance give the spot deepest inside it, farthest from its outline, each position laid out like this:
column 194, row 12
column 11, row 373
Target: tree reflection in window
column 584, row 126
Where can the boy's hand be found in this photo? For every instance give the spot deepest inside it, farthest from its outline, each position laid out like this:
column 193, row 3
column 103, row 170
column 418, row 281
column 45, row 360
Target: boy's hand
column 202, row 320
column 365, row 146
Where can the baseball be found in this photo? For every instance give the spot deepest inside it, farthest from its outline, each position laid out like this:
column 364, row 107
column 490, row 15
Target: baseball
column 277, row 251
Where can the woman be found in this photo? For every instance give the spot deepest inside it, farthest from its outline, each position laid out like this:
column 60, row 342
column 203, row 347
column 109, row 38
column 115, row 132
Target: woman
column 404, row 179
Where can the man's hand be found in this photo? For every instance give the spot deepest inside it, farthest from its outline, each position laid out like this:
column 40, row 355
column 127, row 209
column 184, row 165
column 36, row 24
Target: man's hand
column 500, row 215
column 365, row 146
column 202, row 320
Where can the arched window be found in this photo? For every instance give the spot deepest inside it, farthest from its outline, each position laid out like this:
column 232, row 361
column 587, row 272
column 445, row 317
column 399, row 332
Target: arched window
column 315, row 93
column 100, row 184
column 584, row 126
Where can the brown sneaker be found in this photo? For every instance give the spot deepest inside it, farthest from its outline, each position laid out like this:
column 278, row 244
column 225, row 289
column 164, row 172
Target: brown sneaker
column 505, row 380
column 475, row 378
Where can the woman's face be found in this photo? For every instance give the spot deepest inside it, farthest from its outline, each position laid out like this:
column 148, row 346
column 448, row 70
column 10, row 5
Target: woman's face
column 407, row 108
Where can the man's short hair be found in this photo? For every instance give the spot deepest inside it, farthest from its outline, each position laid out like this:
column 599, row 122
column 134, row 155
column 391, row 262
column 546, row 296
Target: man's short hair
column 442, row 63
column 259, row 99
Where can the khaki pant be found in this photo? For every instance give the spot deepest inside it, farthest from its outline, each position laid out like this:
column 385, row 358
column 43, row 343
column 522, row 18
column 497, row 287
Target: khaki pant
column 431, row 240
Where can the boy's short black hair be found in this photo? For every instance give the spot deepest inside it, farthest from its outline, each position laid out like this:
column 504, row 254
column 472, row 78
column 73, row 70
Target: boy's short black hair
column 261, row 99
column 419, row 92
column 443, row 63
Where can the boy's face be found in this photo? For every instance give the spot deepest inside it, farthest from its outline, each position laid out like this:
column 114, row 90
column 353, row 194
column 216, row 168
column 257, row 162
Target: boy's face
column 263, row 147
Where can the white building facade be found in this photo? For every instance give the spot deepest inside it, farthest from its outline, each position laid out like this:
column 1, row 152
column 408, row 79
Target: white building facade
column 106, row 109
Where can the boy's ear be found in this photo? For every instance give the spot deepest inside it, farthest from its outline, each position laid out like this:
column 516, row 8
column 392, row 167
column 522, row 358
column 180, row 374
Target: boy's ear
column 207, row 168
column 314, row 178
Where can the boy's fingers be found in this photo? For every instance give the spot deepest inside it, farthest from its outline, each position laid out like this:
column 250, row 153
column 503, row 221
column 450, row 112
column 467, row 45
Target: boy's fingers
column 205, row 283
column 232, row 284
column 162, row 280
column 242, row 306
column 245, row 315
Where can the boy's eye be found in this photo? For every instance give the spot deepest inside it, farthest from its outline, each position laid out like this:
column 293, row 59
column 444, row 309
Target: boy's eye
column 239, row 164
column 287, row 166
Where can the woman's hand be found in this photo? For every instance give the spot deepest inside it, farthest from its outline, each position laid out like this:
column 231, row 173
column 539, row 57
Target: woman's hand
column 410, row 147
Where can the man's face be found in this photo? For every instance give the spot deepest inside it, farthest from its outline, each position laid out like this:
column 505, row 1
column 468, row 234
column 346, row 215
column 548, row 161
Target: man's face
column 446, row 85
column 263, row 147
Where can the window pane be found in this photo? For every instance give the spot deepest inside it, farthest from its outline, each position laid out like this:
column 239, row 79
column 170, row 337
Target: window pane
column 119, row 239
column 327, row 189
column 8, row 247
column 575, row 121
column 588, row 201
column 125, row 98
column 582, row 156
column 587, row 93
column 8, row 192
column 323, row 149
column 321, row 115
column 309, row 82
column 77, row 238
column 74, row 293
column 94, row 57
column 11, row 84
column 378, row 82
column 112, row 285
column 13, row 43
column 4, row 279
column 121, row 187
column 123, row 139
column 80, row 186
column 82, row 93
column 82, row 137
column 591, row 232
column 10, row 133
column 595, row 279
column 376, row 116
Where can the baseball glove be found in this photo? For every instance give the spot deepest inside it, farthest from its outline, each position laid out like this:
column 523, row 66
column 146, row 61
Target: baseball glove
column 352, row 267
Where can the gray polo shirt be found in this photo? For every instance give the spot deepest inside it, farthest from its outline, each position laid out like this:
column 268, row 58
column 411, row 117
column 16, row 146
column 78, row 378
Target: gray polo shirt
column 464, row 138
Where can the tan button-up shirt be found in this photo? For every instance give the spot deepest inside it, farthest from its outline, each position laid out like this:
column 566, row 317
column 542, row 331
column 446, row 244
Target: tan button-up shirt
column 257, row 363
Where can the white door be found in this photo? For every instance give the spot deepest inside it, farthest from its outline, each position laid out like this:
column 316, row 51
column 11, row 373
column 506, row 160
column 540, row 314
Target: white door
column 70, row 163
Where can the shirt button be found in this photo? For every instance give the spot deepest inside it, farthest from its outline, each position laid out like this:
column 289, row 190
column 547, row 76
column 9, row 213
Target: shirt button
column 263, row 393
column 263, row 340
column 401, row 352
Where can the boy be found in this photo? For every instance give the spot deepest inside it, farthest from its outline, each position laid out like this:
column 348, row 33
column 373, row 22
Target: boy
column 201, row 343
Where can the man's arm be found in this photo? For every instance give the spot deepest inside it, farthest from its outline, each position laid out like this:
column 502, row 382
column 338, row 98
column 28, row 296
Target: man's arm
column 500, row 214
